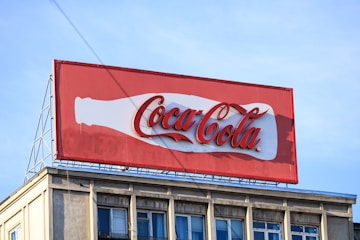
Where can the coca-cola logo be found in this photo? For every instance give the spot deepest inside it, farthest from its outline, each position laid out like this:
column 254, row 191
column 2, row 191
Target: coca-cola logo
column 209, row 126
column 187, row 123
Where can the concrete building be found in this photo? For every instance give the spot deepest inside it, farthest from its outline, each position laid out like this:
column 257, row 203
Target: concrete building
column 85, row 204
column 356, row 231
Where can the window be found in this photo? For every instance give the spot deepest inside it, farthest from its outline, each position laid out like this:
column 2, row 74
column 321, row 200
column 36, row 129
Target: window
column 229, row 229
column 267, row 231
column 299, row 232
column 189, row 227
column 112, row 223
column 15, row 233
column 151, row 225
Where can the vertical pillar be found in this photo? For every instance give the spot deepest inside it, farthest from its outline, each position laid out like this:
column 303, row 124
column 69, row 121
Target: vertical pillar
column 46, row 209
column 2, row 231
column 24, row 226
column 171, row 217
column 249, row 221
column 50, row 209
column 132, row 215
column 351, row 225
column 287, row 222
column 93, row 212
column 323, row 224
column 210, row 226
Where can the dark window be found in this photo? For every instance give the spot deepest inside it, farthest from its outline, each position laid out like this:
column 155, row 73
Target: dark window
column 300, row 232
column 189, row 227
column 229, row 229
column 267, row 231
column 15, row 233
column 151, row 225
column 112, row 223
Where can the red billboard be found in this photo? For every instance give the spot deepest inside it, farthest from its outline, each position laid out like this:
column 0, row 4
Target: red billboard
column 139, row 118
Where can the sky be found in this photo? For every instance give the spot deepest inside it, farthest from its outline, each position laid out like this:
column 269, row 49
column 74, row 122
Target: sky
column 310, row 46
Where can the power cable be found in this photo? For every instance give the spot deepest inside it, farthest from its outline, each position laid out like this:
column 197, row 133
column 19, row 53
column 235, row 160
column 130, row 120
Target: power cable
column 112, row 76
column 122, row 89
column 77, row 31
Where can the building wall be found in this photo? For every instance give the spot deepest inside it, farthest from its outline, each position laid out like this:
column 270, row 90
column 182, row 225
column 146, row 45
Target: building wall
column 332, row 214
column 338, row 228
column 27, row 211
column 70, row 209
column 63, row 204
column 71, row 215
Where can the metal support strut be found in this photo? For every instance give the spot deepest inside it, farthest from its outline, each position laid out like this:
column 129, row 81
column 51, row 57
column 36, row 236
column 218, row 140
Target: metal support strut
column 42, row 148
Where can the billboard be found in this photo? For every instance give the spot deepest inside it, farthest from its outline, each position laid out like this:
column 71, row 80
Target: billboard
column 139, row 118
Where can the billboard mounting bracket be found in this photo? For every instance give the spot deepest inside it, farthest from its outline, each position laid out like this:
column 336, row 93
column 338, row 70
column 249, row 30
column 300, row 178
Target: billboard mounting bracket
column 42, row 150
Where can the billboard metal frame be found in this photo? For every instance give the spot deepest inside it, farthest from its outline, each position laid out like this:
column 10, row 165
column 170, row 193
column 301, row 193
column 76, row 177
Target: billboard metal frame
column 42, row 150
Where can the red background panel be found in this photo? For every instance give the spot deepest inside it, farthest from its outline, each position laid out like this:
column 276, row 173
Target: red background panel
column 104, row 145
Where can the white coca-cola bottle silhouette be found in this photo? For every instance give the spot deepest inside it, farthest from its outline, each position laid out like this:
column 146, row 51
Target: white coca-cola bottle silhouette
column 119, row 115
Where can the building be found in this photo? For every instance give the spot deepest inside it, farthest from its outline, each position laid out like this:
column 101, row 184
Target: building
column 78, row 204
column 125, row 126
column 357, row 231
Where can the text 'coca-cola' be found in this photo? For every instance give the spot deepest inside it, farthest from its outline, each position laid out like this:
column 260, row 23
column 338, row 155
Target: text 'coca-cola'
column 207, row 125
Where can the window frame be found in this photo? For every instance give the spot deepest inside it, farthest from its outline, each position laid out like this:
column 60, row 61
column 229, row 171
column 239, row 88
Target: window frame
column 111, row 223
column 229, row 226
column 17, row 231
column 189, row 221
column 305, row 234
column 267, row 231
column 149, row 214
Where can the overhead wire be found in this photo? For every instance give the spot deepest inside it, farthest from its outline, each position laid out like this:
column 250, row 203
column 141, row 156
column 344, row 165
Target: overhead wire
column 111, row 75
column 124, row 92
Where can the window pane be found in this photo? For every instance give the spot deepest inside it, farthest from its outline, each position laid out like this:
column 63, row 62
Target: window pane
column 181, row 227
column 221, row 230
column 274, row 226
column 296, row 237
column 197, row 228
column 258, row 225
column 259, row 236
column 296, row 228
column 274, row 236
column 13, row 235
column 158, row 221
column 221, row 225
column 119, row 225
column 236, row 230
column 143, row 227
column 221, row 235
column 311, row 238
column 311, row 229
column 142, row 215
column 103, row 221
column 197, row 224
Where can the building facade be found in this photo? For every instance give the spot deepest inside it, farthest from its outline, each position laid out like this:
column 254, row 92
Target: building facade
column 77, row 204
column 356, row 231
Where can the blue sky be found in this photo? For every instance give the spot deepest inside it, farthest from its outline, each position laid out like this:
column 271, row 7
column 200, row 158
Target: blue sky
column 310, row 46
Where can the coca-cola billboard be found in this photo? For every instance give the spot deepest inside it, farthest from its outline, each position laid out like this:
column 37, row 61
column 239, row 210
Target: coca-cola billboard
column 140, row 118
